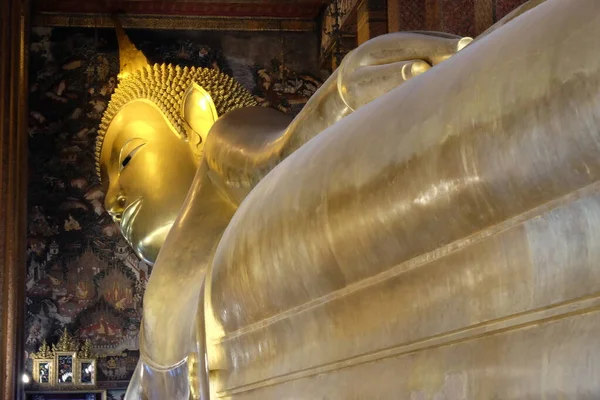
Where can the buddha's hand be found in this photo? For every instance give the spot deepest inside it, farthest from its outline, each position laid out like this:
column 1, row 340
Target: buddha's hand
column 385, row 62
column 369, row 71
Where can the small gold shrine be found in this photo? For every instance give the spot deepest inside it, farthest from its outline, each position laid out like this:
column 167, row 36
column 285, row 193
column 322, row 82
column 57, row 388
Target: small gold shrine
column 64, row 365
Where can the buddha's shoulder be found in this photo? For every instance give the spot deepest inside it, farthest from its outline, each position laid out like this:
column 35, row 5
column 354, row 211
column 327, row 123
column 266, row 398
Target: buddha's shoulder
column 243, row 146
column 249, row 125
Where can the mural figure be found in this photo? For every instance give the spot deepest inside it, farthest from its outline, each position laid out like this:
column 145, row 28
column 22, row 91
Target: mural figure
column 283, row 89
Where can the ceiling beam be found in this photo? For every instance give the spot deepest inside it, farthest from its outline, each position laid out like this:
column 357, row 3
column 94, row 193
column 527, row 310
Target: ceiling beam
column 307, row 9
column 199, row 23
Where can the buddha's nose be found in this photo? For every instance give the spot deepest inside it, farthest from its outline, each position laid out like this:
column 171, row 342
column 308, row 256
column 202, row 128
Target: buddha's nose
column 115, row 204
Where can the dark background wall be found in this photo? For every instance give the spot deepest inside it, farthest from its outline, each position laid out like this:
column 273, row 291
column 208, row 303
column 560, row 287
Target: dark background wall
column 461, row 17
column 81, row 276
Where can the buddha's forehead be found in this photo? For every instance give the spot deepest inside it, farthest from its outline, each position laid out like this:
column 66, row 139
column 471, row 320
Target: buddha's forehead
column 139, row 119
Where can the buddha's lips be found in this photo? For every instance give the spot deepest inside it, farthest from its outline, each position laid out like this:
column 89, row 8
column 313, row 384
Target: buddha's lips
column 128, row 217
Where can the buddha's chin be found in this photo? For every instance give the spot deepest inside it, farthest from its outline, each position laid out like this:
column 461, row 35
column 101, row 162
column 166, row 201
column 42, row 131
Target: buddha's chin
column 148, row 247
column 147, row 254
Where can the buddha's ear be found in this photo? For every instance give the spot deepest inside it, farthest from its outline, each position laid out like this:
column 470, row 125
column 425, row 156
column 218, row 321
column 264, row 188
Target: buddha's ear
column 199, row 114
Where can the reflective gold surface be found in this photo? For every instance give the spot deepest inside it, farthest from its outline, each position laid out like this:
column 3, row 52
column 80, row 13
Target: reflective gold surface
column 145, row 137
column 130, row 58
column 438, row 242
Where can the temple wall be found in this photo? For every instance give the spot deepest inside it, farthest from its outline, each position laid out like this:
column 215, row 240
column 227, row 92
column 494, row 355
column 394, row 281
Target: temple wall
column 461, row 17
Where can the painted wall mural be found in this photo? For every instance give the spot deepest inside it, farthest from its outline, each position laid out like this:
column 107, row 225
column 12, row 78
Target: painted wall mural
column 81, row 275
column 115, row 395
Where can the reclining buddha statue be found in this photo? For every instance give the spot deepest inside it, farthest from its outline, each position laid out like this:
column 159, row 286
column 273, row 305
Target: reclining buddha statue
column 425, row 228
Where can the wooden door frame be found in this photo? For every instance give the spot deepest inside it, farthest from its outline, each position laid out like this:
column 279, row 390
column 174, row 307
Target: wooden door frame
column 14, row 37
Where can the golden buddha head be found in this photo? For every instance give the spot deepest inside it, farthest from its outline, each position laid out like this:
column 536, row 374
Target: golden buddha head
column 151, row 140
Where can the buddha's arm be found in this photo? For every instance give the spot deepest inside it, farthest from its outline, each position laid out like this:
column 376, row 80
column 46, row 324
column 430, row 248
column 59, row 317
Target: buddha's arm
column 366, row 73
column 245, row 144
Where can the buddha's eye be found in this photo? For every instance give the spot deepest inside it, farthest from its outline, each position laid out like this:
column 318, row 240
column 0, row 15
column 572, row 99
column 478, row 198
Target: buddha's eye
column 129, row 156
column 126, row 161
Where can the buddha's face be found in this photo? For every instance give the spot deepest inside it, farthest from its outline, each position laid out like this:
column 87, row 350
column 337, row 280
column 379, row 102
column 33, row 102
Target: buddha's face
column 149, row 170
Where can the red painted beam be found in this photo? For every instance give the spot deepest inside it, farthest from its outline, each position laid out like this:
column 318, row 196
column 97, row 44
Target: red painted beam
column 274, row 9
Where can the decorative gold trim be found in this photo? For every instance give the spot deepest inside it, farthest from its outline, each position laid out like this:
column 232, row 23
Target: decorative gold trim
column 66, row 343
column 86, row 350
column 44, row 352
column 57, row 355
column 79, row 370
column 200, row 23
column 36, row 371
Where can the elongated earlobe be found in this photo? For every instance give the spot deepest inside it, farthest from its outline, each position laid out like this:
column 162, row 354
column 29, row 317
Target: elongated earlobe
column 199, row 114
